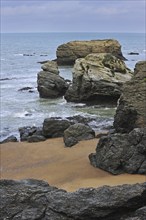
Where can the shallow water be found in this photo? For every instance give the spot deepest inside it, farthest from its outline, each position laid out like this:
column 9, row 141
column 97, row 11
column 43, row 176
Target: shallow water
column 23, row 108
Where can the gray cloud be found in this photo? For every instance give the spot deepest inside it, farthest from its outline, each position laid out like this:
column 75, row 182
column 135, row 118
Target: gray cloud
column 79, row 15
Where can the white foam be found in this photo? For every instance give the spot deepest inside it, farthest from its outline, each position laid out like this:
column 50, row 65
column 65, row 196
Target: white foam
column 21, row 114
column 18, row 54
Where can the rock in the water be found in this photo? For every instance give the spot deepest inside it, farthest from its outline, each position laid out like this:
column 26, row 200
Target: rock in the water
column 50, row 84
column 121, row 153
column 11, row 138
column 34, row 199
column 77, row 132
column 98, row 77
column 131, row 111
column 25, row 88
column 69, row 52
column 55, row 127
column 133, row 53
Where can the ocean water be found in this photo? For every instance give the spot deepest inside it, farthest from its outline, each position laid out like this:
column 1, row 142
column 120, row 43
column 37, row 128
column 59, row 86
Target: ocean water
column 23, row 108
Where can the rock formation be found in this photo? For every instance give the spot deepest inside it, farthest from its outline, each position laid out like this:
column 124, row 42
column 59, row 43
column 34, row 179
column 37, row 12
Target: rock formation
column 77, row 132
column 121, row 153
column 69, row 52
column 34, row 199
column 50, row 84
column 126, row 153
column 131, row 111
column 11, row 138
column 31, row 134
column 55, row 127
column 98, row 77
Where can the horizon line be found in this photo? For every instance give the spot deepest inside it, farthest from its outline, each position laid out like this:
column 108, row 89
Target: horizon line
column 45, row 32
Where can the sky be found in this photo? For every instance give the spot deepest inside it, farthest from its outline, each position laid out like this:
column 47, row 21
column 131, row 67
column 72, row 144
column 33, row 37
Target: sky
column 73, row 16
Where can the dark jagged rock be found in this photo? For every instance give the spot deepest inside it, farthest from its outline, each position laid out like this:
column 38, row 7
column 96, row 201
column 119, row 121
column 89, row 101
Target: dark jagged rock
column 98, row 78
column 25, row 88
column 11, row 138
column 31, row 134
column 34, row 199
column 121, row 153
column 43, row 62
column 133, row 53
column 69, row 52
column 77, row 132
column 131, row 110
column 55, row 127
column 50, row 84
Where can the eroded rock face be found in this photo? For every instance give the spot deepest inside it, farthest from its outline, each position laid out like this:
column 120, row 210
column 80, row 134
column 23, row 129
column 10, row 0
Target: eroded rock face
column 121, row 153
column 98, row 77
column 125, row 151
column 131, row 111
column 77, row 132
column 34, row 199
column 69, row 52
column 50, row 84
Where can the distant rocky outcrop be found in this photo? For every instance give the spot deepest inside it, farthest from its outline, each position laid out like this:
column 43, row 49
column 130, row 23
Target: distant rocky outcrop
column 69, row 52
column 77, row 132
column 50, row 84
column 34, row 199
column 125, row 151
column 98, row 77
column 131, row 110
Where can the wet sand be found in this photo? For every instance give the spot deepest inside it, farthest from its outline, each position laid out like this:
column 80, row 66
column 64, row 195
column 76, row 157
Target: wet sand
column 66, row 168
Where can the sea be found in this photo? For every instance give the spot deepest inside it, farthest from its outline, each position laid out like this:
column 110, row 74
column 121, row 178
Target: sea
column 20, row 57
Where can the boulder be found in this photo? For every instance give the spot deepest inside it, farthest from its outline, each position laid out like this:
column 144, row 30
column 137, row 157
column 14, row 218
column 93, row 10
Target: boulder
column 121, row 153
column 67, row 53
column 98, row 77
column 36, row 138
column 11, row 138
column 50, row 84
column 77, row 132
column 131, row 110
column 31, row 134
column 34, row 199
column 55, row 127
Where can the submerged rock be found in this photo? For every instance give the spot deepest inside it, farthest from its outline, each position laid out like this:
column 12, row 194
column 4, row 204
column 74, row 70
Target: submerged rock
column 121, row 153
column 69, row 52
column 131, row 110
column 77, row 132
column 50, row 84
column 98, row 77
column 34, row 199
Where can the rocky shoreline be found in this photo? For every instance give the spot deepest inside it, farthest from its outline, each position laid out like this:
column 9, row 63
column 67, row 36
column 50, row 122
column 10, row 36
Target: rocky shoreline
column 98, row 75
column 37, row 200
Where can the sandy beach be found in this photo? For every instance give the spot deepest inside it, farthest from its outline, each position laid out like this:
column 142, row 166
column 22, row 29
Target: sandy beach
column 66, row 168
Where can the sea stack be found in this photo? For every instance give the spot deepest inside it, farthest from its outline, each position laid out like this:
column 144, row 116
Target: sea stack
column 67, row 53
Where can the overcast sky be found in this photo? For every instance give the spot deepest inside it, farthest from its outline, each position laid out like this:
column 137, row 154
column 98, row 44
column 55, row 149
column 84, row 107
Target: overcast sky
column 73, row 16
